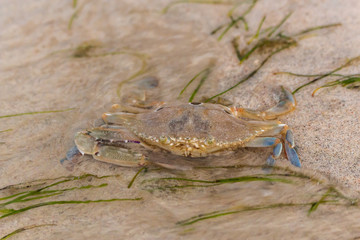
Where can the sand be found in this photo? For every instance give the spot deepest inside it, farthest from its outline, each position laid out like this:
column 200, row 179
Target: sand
column 40, row 73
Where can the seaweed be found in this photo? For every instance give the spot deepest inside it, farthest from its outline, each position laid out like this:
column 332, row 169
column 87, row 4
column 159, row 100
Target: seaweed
column 229, row 180
column 329, row 196
column 289, row 172
column 6, row 130
column 276, row 27
column 26, row 194
column 348, row 81
column 316, row 204
column 235, row 45
column 9, row 212
column 346, row 64
column 309, row 75
column 200, row 183
column 43, row 192
column 204, row 77
column 135, row 176
column 45, row 180
column 247, row 77
column 279, row 39
column 317, row 28
column 19, row 230
column 216, row 214
column 83, row 50
column 279, row 43
column 240, row 209
column 186, row 186
column 75, row 13
column 256, row 35
column 234, row 21
column 276, row 43
column 216, row 2
column 284, row 177
column 34, row 113
column 191, row 80
column 204, row 73
column 267, row 42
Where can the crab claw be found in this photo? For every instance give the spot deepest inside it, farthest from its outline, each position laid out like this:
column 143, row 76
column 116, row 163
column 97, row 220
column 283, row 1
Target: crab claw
column 286, row 105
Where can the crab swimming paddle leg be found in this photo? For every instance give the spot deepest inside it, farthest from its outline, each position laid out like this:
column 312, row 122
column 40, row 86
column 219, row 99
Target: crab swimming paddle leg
column 290, row 149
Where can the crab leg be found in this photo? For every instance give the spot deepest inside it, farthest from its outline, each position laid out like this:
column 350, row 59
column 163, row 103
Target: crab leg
column 268, row 142
column 290, row 149
column 263, row 142
column 118, row 118
column 286, row 105
column 289, row 146
column 275, row 155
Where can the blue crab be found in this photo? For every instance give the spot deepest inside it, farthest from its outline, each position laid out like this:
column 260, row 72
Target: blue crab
column 132, row 134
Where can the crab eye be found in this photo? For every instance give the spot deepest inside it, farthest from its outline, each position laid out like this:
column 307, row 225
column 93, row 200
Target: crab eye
column 164, row 139
column 209, row 140
column 158, row 109
column 195, row 103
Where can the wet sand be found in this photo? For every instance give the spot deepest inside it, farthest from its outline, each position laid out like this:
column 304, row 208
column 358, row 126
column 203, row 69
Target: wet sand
column 40, row 73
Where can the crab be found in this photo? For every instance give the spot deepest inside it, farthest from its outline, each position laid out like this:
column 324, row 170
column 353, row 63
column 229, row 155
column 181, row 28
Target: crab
column 132, row 134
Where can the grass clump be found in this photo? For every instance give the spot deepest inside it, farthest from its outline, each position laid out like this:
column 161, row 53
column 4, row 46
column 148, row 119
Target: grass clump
column 351, row 81
column 330, row 197
column 270, row 41
column 47, row 191
column 181, row 182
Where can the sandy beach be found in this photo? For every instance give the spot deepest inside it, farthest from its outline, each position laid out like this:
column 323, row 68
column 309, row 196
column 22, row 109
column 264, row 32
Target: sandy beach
column 61, row 64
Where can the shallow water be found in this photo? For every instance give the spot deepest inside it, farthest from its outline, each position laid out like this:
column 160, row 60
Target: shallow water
column 40, row 72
